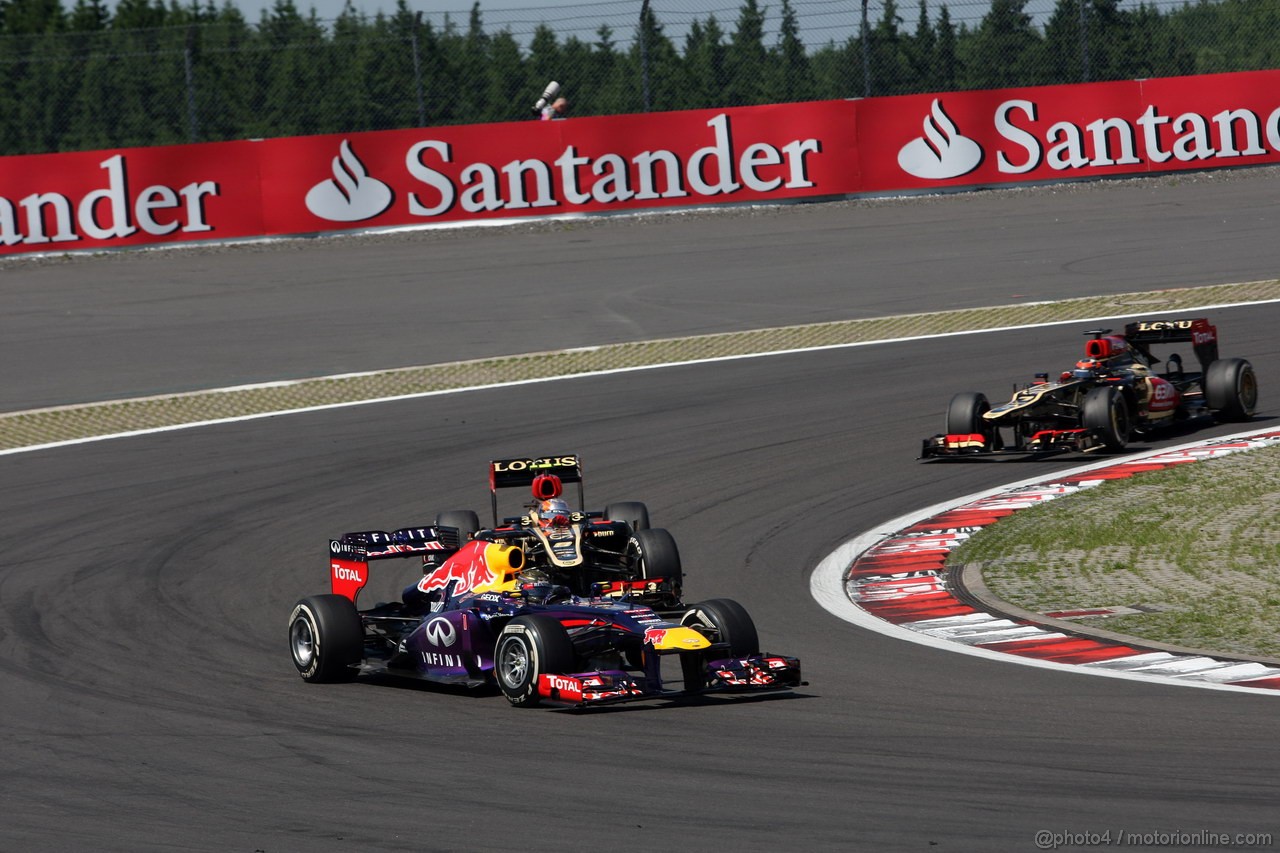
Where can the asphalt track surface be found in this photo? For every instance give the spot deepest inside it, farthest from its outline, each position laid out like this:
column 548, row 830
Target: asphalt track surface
column 147, row 700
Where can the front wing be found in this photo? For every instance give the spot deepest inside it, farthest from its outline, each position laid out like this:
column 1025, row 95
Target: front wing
column 1045, row 442
column 729, row 675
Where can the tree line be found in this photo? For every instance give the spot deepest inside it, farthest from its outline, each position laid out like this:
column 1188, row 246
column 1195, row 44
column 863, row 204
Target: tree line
column 148, row 73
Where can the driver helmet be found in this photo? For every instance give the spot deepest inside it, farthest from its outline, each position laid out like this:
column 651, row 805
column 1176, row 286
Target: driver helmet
column 536, row 587
column 1087, row 367
column 554, row 512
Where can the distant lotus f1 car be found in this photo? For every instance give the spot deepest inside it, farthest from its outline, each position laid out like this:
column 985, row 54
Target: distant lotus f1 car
column 1115, row 392
column 495, row 607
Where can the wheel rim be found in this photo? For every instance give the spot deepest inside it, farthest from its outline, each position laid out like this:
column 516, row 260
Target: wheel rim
column 1120, row 420
column 303, row 641
column 703, row 627
column 1248, row 390
column 514, row 665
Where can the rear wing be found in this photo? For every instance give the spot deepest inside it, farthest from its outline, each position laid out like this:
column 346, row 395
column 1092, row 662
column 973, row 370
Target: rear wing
column 349, row 556
column 1199, row 332
column 512, row 473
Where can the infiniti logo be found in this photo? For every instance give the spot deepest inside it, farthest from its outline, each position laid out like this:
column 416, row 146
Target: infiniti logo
column 440, row 632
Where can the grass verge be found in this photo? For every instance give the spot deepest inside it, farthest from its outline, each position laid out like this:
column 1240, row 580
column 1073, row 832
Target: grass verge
column 1193, row 549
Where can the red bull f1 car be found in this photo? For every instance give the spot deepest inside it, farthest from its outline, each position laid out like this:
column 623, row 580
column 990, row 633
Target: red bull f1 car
column 1118, row 391
column 499, row 607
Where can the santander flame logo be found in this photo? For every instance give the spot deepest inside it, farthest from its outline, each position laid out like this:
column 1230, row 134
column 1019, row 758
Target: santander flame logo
column 942, row 152
column 351, row 195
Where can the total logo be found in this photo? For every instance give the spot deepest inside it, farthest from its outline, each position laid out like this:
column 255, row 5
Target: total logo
column 942, row 152
column 344, row 573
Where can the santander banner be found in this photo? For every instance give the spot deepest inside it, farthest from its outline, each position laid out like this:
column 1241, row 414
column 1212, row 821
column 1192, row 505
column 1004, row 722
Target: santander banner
column 497, row 171
column 1056, row 133
column 827, row 149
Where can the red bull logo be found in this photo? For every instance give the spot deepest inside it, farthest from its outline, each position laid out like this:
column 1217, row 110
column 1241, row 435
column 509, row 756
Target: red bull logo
column 654, row 636
column 468, row 567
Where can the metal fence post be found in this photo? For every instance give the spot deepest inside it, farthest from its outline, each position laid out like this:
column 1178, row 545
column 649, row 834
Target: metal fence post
column 644, row 53
column 1084, row 43
column 866, row 53
column 193, row 123
column 417, row 70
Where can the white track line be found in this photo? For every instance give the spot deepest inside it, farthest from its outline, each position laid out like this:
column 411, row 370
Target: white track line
column 514, row 383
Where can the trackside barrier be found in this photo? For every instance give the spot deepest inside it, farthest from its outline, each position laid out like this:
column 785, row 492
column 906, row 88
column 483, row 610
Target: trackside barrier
column 784, row 152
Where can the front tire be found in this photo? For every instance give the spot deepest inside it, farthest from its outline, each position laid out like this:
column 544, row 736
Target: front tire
column 720, row 620
column 964, row 417
column 529, row 647
column 1231, row 389
column 1106, row 413
column 326, row 638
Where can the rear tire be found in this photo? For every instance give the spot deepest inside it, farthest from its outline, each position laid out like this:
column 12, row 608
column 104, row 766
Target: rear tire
column 1231, row 389
column 465, row 521
column 655, row 555
column 633, row 513
column 529, row 647
column 1106, row 413
column 720, row 620
column 326, row 638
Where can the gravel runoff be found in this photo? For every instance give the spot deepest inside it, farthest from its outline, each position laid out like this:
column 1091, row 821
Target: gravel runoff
column 39, row 427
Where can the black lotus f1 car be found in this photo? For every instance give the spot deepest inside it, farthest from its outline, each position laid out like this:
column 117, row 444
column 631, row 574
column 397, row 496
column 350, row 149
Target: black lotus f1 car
column 495, row 607
column 1119, row 390
column 579, row 548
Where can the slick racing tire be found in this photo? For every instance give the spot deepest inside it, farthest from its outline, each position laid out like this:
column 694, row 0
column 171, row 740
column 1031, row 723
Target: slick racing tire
column 1106, row 413
column 964, row 417
column 326, row 638
column 633, row 513
column 1231, row 389
column 654, row 554
column 720, row 620
column 529, row 647
column 464, row 520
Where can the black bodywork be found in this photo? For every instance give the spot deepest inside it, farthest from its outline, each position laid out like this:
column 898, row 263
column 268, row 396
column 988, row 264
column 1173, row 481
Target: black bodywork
column 1120, row 390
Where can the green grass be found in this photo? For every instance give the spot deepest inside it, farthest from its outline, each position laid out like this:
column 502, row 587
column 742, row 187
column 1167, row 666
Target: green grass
column 1196, row 547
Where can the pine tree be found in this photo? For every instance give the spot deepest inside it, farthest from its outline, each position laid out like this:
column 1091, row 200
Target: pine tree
column 660, row 65
column 1002, row 48
column 747, row 59
column 792, row 78
column 920, row 53
column 946, row 55
column 890, row 65
column 706, row 65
